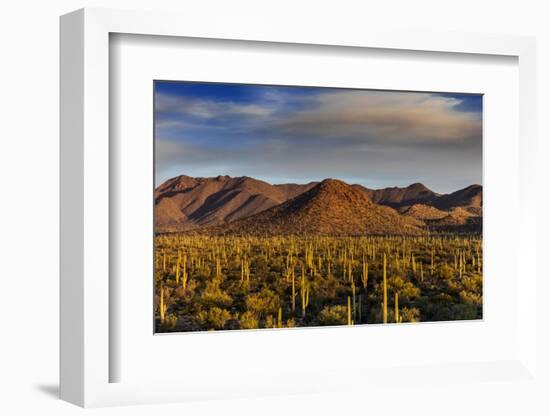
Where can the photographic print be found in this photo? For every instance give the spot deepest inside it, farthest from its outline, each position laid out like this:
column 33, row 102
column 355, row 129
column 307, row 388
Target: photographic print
column 291, row 206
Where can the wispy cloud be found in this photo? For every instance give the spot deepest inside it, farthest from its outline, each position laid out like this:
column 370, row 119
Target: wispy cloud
column 385, row 117
column 206, row 108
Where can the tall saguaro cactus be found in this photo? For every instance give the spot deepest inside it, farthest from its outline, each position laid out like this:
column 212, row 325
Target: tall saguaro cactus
column 365, row 275
column 293, row 296
column 162, row 305
column 365, row 281
column 245, row 269
column 353, row 299
column 360, row 310
column 184, row 276
column 178, row 270
column 396, row 307
column 432, row 267
column 304, row 291
column 385, row 302
column 218, row 269
column 242, row 270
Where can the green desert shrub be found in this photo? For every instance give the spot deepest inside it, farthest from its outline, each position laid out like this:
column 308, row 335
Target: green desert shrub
column 212, row 295
column 446, row 272
column 291, row 323
column 473, row 283
column 247, row 320
column 169, row 323
column 266, row 302
column 463, row 311
column 409, row 314
column 214, row 318
column 333, row 315
column 404, row 287
column 470, row 298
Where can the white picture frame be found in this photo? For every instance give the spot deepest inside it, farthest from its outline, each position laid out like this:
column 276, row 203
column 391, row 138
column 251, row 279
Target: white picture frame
column 85, row 211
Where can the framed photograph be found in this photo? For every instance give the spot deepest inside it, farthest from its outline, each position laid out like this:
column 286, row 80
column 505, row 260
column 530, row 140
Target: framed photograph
column 270, row 212
column 276, row 206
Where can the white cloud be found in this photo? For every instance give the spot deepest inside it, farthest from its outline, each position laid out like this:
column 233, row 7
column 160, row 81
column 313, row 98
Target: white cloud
column 207, row 109
column 385, row 117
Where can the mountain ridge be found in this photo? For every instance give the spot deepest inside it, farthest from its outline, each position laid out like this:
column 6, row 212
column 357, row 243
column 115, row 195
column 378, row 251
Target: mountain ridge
column 331, row 207
column 185, row 203
column 210, row 201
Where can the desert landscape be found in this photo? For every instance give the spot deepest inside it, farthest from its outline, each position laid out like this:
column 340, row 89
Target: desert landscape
column 288, row 206
column 240, row 253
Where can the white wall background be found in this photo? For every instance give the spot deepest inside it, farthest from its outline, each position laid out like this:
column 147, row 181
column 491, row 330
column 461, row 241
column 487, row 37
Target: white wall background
column 29, row 208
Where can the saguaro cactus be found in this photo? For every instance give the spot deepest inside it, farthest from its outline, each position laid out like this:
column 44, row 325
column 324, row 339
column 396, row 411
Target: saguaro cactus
column 304, row 291
column 178, row 270
column 293, row 296
column 162, row 305
column 242, row 270
column 218, row 268
column 344, row 270
column 385, row 302
column 365, row 281
column 353, row 299
column 360, row 309
column 309, row 255
column 365, row 275
column 460, row 265
column 245, row 270
column 396, row 307
column 184, row 276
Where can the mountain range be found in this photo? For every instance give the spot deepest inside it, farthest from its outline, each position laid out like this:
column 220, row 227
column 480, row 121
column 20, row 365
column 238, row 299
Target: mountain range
column 247, row 206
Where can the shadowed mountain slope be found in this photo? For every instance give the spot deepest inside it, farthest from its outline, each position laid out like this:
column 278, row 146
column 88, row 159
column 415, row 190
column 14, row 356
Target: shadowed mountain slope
column 397, row 197
column 471, row 196
column 417, row 193
column 184, row 202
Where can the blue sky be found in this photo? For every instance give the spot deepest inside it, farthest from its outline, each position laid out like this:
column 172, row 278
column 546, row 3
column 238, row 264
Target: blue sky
column 300, row 134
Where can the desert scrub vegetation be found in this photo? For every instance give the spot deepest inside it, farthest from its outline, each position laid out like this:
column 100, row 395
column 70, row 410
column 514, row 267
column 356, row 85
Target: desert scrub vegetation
column 223, row 283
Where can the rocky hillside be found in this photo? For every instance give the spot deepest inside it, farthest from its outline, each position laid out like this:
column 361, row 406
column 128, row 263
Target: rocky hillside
column 396, row 197
column 330, row 208
column 471, row 196
column 184, row 203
